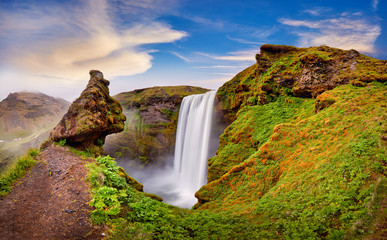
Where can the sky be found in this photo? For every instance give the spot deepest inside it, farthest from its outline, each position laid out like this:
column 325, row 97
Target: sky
column 49, row 46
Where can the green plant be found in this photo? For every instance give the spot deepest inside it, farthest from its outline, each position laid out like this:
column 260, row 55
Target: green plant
column 62, row 142
column 17, row 171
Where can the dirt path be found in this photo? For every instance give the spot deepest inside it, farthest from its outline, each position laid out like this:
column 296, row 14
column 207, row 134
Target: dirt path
column 50, row 202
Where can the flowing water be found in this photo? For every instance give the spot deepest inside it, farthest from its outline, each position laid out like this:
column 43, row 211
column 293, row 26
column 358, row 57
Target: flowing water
column 195, row 143
column 192, row 144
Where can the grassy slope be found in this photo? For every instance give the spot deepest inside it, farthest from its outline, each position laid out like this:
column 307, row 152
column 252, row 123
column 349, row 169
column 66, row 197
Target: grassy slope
column 294, row 168
column 318, row 174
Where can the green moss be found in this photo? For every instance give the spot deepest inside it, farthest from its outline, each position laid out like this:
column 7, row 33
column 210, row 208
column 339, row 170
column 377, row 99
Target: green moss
column 316, row 175
column 252, row 128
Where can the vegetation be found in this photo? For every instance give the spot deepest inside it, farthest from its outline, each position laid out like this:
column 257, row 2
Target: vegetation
column 301, row 72
column 23, row 164
column 131, row 214
column 297, row 161
column 318, row 175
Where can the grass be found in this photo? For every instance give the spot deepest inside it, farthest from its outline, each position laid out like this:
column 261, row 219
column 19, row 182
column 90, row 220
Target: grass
column 315, row 176
column 23, row 164
column 131, row 214
column 299, row 174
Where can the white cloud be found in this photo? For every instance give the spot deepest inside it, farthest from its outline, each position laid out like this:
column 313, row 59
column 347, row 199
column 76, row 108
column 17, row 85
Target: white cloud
column 219, row 66
column 180, row 56
column 65, row 42
column 375, row 4
column 318, row 11
column 342, row 32
column 243, row 41
column 244, row 55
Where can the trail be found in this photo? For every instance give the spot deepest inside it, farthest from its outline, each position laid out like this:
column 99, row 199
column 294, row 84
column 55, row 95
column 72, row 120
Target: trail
column 51, row 201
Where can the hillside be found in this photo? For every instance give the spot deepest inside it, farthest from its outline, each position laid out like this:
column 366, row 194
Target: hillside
column 301, row 160
column 150, row 128
column 303, row 167
column 25, row 122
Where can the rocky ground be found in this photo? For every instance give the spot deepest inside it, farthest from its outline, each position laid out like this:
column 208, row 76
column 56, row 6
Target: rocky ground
column 51, row 201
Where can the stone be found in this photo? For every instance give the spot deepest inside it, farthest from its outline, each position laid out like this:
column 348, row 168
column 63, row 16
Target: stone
column 91, row 117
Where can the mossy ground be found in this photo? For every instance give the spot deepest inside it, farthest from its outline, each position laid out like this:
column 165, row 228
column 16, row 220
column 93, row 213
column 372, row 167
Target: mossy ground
column 316, row 176
column 300, row 174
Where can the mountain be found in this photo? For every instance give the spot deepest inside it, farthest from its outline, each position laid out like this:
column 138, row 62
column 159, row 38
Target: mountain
column 150, row 129
column 25, row 121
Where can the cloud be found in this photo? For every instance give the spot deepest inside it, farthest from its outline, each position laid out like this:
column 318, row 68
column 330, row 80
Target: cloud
column 343, row 32
column 66, row 41
column 317, row 11
column 375, row 4
column 144, row 8
column 220, row 66
column 208, row 22
column 244, row 55
column 180, row 56
column 243, row 41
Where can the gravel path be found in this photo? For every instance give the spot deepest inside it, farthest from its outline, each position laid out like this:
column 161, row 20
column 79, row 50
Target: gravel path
column 51, row 201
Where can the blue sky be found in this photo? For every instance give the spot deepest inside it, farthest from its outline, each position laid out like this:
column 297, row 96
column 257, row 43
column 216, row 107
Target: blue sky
column 50, row 45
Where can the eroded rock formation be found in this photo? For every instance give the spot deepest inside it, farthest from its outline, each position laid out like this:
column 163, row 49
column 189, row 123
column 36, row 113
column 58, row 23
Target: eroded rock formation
column 92, row 116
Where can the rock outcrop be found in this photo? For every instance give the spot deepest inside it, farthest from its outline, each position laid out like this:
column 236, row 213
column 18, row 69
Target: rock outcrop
column 91, row 117
column 299, row 72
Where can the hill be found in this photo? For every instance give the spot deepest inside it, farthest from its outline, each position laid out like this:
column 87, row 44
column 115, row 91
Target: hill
column 25, row 122
column 303, row 157
column 150, row 129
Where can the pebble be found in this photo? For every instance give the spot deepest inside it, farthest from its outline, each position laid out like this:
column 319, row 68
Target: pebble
column 68, row 211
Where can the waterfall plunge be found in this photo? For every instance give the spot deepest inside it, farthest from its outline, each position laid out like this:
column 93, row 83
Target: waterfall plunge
column 192, row 145
column 195, row 143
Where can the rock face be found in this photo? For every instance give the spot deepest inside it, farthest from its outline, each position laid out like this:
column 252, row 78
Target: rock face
column 299, row 72
column 91, row 117
column 150, row 130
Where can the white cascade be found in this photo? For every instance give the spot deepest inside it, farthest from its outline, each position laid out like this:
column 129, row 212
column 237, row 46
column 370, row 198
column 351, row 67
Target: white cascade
column 192, row 144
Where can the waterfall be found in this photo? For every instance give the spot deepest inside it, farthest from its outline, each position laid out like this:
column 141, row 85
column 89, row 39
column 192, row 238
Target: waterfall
column 192, row 144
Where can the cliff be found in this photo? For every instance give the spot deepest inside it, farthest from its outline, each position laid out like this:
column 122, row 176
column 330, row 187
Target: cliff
column 150, row 129
column 300, row 72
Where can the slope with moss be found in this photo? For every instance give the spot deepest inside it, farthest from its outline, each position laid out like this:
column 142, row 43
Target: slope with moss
column 300, row 167
column 150, row 128
column 300, row 72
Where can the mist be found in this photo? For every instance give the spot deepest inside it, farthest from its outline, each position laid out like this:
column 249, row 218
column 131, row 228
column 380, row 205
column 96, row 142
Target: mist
column 177, row 177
